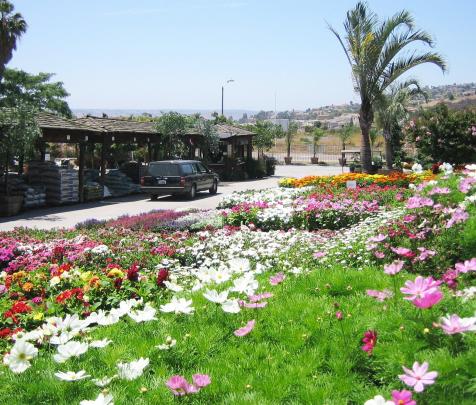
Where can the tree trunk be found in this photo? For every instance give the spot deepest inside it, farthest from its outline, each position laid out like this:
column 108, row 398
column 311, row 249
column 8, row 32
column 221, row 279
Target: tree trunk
column 365, row 121
column 388, row 149
column 289, row 147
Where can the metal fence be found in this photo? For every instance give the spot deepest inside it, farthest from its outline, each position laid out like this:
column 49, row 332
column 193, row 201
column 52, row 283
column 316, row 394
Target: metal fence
column 302, row 153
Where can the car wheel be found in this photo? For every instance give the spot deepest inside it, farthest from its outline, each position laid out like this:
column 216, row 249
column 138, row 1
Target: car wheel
column 213, row 189
column 193, row 192
column 153, row 197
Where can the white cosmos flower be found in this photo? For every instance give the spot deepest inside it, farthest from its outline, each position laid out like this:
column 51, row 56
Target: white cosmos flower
column 178, row 306
column 35, row 335
column 169, row 343
column 173, row 286
column 20, row 355
column 239, row 265
column 134, row 369
column 70, row 349
column 231, row 306
column 378, row 400
column 99, row 344
column 103, row 382
column 219, row 276
column 245, row 284
column 417, row 168
column 147, row 314
column 65, row 337
column 103, row 318
column 215, row 296
column 100, row 400
column 72, row 376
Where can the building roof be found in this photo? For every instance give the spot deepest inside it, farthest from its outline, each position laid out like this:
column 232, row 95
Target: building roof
column 225, row 131
column 47, row 120
column 117, row 125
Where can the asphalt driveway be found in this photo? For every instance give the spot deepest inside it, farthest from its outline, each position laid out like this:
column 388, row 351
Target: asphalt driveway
column 70, row 215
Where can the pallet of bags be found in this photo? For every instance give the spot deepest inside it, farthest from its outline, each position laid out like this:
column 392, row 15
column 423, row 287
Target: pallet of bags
column 92, row 191
column 119, row 184
column 35, row 196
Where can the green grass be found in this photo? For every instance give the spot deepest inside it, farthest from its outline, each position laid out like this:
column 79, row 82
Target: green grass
column 298, row 353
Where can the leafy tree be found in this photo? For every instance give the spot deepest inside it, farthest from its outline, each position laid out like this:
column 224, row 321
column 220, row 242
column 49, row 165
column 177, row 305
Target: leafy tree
column 210, row 141
column 345, row 133
column 172, row 127
column 376, row 53
column 18, row 131
column 391, row 112
column 12, row 27
column 317, row 135
column 289, row 136
column 265, row 134
column 36, row 90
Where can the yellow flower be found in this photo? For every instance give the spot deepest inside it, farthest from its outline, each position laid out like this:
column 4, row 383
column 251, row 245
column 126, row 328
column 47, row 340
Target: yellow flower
column 115, row 273
column 38, row 316
column 85, row 276
column 18, row 275
column 55, row 280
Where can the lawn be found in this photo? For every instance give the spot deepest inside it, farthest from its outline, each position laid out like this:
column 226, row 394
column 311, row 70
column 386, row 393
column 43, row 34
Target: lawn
column 288, row 296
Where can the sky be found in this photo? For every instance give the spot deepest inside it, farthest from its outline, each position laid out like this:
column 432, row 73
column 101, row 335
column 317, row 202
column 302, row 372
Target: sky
column 176, row 54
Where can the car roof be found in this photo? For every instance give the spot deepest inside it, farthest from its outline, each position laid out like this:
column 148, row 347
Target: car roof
column 175, row 161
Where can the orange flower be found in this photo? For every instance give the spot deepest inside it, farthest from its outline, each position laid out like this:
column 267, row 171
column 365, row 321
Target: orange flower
column 28, row 286
column 95, row 282
column 18, row 275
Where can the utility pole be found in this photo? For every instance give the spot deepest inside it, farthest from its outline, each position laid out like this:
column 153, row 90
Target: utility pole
column 223, row 94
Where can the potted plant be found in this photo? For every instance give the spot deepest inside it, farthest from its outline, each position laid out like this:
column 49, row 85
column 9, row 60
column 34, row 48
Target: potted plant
column 289, row 136
column 317, row 134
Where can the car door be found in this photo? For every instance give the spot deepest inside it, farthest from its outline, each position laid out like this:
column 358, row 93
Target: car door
column 207, row 180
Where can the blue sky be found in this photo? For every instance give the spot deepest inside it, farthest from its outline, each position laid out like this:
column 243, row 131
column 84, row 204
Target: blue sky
column 154, row 54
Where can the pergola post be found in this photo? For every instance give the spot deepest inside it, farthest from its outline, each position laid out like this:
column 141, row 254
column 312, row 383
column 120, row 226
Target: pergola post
column 82, row 147
column 149, row 152
column 249, row 149
column 104, row 149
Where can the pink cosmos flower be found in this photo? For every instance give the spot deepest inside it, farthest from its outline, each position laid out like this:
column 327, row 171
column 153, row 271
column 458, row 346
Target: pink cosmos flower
column 380, row 295
column 420, row 287
column 379, row 255
column 379, row 238
column 180, row 386
column 245, row 329
column 403, row 397
column 467, row 265
column 393, row 268
column 418, row 376
column 318, row 255
column 339, row 315
column 369, row 340
column 277, row 278
column 460, row 215
column 409, row 218
column 259, row 297
column 439, row 190
column 201, row 380
column 428, row 300
column 401, row 251
column 419, row 202
column 425, row 254
column 252, row 305
column 453, row 324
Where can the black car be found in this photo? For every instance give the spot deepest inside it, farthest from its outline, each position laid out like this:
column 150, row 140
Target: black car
column 178, row 177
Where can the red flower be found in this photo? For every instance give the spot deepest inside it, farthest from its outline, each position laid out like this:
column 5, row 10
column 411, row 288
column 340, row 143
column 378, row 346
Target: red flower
column 162, row 276
column 369, row 340
column 118, row 283
column 18, row 307
column 133, row 273
column 68, row 294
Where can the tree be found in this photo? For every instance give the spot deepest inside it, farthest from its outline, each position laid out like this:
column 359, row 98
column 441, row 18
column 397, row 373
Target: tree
column 317, row 135
column 210, row 139
column 392, row 111
column 289, row 136
column 172, row 127
column 376, row 53
column 36, row 90
column 345, row 133
column 12, row 27
column 265, row 134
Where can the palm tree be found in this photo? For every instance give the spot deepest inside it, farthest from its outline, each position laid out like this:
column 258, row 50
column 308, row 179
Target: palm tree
column 392, row 110
column 12, row 26
column 376, row 53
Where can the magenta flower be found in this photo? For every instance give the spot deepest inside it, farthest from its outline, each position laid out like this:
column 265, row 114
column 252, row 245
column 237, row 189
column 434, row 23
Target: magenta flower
column 420, row 287
column 339, row 315
column 369, row 340
column 403, row 397
column 425, row 254
column 379, row 295
column 428, row 300
column 419, row 202
column 401, row 251
column 453, row 324
column 180, row 386
column 201, row 380
column 245, row 329
column 418, row 376
column 460, row 215
column 393, row 268
column 277, row 278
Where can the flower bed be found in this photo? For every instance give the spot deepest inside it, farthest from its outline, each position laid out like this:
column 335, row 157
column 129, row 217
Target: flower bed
column 394, row 179
column 382, row 307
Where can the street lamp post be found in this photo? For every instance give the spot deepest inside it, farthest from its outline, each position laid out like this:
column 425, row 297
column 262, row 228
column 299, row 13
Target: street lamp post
column 223, row 93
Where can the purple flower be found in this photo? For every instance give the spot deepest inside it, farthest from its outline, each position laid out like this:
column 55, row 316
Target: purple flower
column 3, row 289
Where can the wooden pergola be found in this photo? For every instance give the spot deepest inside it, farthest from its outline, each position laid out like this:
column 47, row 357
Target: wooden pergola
column 92, row 130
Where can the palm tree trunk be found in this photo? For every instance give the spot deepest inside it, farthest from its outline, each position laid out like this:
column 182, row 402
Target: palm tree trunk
column 365, row 121
column 388, row 149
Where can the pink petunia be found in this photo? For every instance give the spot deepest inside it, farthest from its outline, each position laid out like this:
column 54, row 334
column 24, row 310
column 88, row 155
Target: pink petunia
column 393, row 268
column 278, row 278
column 403, row 397
column 245, row 329
column 418, row 376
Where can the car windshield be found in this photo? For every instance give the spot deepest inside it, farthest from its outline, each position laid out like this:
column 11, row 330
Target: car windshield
column 164, row 169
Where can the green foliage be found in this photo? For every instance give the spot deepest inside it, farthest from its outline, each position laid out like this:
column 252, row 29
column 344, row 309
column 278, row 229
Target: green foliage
column 256, row 168
column 443, row 135
column 289, row 136
column 172, row 127
column 345, row 133
column 36, row 90
column 265, row 134
column 210, row 139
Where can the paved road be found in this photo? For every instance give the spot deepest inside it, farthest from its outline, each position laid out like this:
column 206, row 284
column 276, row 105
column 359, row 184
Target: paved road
column 68, row 216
